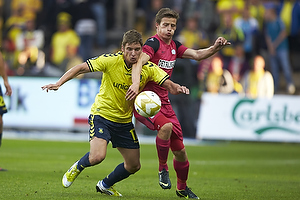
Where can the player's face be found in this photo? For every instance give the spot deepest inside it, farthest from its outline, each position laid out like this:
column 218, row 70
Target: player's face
column 166, row 28
column 132, row 53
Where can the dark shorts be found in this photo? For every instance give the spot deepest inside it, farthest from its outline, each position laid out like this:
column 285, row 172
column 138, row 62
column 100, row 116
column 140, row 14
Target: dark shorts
column 3, row 108
column 120, row 135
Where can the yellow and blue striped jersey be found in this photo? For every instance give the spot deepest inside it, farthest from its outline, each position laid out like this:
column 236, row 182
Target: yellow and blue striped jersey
column 110, row 102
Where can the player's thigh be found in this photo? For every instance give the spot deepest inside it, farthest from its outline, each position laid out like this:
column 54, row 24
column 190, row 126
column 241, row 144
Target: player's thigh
column 176, row 140
column 144, row 120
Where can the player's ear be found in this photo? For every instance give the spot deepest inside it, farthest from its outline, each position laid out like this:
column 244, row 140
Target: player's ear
column 156, row 24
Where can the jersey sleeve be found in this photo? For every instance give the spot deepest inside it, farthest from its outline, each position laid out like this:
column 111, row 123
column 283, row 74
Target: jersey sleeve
column 156, row 74
column 180, row 49
column 96, row 64
column 151, row 46
column 101, row 63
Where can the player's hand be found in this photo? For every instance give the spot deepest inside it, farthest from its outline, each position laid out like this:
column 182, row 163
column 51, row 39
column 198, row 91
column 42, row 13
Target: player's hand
column 183, row 90
column 8, row 89
column 132, row 91
column 50, row 87
column 220, row 43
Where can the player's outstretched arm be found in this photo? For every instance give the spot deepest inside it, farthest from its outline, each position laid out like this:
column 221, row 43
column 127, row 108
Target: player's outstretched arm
column 133, row 90
column 175, row 88
column 70, row 74
column 201, row 54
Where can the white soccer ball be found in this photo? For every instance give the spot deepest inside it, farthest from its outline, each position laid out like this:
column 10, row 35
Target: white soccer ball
column 147, row 104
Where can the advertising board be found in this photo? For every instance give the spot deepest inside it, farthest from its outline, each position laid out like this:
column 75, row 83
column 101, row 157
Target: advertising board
column 230, row 117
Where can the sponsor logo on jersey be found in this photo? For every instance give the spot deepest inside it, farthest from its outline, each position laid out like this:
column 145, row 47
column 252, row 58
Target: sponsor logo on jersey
column 166, row 64
column 121, row 86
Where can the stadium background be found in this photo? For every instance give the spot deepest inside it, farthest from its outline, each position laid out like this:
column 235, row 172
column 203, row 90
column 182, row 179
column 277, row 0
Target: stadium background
column 33, row 111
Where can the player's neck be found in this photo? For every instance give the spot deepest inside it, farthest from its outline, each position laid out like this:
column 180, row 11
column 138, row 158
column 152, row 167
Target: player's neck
column 167, row 41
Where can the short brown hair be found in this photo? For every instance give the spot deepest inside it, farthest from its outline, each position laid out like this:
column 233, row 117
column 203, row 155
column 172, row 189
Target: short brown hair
column 131, row 37
column 166, row 12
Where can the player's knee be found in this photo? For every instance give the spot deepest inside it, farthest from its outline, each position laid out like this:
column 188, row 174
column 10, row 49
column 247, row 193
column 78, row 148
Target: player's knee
column 137, row 168
column 165, row 131
column 96, row 158
column 167, row 127
column 180, row 155
column 134, row 168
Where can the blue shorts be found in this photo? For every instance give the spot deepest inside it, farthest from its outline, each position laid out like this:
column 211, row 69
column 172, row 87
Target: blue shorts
column 2, row 104
column 120, row 135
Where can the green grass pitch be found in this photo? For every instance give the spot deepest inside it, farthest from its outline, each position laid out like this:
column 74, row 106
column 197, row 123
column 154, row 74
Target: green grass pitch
column 220, row 170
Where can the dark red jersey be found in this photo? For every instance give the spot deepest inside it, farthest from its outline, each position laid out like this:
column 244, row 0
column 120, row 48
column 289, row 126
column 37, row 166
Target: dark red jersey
column 164, row 56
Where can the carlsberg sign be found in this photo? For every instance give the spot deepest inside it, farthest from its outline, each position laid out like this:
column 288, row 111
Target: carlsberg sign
column 231, row 117
column 247, row 114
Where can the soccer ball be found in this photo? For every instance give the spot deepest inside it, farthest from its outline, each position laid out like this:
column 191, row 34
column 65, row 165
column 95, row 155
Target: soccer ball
column 147, row 104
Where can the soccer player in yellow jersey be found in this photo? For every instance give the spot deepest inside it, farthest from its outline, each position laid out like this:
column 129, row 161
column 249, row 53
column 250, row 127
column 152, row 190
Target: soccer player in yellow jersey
column 111, row 114
column 8, row 92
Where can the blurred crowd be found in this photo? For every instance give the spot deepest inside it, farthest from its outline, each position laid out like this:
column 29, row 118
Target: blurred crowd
column 47, row 37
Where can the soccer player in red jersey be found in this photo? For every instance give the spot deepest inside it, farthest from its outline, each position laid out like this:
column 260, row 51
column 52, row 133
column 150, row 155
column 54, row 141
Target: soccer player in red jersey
column 163, row 51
